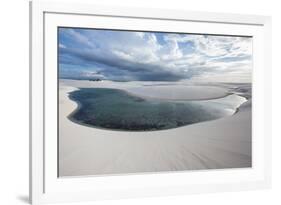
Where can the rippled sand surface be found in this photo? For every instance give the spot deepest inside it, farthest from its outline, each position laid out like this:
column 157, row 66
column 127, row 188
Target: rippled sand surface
column 216, row 144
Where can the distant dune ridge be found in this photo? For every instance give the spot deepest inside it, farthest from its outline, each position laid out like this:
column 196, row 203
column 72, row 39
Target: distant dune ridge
column 216, row 144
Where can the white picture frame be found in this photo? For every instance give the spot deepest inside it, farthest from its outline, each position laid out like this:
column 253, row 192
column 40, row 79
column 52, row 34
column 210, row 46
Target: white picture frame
column 46, row 187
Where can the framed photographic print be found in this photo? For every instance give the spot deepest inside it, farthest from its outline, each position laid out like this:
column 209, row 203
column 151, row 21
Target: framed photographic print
column 128, row 102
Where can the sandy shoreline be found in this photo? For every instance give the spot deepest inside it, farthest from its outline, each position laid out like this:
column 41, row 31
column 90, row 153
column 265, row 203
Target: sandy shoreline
column 222, row 143
column 173, row 91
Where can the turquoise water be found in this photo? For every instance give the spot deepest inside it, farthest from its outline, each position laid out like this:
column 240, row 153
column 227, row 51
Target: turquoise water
column 117, row 110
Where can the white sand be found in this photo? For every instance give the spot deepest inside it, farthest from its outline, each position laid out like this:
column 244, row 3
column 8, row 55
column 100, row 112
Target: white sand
column 179, row 92
column 222, row 143
column 157, row 90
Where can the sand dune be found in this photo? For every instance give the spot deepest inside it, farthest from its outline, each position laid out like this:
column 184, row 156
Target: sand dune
column 222, row 143
column 167, row 91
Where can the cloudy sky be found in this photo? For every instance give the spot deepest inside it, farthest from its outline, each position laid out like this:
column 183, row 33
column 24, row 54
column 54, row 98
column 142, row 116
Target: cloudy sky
column 153, row 56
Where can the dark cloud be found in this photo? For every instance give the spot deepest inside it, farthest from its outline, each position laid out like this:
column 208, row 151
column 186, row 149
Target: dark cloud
column 125, row 56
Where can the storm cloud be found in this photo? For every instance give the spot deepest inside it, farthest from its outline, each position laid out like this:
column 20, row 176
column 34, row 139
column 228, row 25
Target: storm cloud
column 152, row 56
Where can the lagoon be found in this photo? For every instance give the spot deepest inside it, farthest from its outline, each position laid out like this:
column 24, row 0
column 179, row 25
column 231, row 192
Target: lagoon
column 115, row 109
